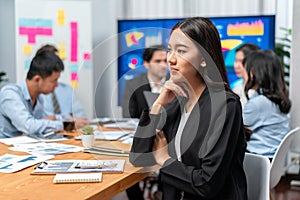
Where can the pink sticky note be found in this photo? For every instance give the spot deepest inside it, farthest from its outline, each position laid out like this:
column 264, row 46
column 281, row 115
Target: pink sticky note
column 74, row 41
column 74, row 76
column 87, row 56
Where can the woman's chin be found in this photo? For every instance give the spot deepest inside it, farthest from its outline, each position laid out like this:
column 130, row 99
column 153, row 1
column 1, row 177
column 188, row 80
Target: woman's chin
column 175, row 75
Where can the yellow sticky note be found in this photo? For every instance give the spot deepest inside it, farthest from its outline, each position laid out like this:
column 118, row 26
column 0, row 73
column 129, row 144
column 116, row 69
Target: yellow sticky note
column 74, row 84
column 27, row 49
column 62, row 52
column 60, row 17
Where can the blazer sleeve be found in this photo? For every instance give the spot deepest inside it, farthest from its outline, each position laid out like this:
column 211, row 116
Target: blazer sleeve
column 215, row 166
column 125, row 100
column 141, row 149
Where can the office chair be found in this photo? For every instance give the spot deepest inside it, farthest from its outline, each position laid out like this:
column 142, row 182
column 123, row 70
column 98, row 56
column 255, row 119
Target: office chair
column 257, row 169
column 278, row 164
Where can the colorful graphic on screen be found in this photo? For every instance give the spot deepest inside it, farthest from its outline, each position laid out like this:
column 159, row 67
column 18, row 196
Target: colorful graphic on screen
column 135, row 35
column 134, row 61
column 251, row 28
column 133, row 38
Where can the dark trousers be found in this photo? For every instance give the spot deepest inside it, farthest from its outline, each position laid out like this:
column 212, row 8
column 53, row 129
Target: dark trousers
column 135, row 192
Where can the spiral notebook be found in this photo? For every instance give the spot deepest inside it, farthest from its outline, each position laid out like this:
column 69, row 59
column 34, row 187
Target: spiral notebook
column 78, row 178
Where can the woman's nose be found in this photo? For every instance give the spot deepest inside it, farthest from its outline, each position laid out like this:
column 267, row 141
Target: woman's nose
column 171, row 59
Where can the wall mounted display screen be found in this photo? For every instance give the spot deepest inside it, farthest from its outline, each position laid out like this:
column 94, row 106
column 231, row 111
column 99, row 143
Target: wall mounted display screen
column 135, row 35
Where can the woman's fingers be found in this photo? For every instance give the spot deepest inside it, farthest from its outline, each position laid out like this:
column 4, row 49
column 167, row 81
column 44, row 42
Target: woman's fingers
column 160, row 135
column 170, row 85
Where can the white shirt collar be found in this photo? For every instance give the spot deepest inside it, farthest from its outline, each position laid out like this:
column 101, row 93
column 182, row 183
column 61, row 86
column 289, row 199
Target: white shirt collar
column 155, row 88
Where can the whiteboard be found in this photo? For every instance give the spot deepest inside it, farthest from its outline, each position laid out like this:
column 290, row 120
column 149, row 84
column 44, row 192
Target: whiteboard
column 66, row 25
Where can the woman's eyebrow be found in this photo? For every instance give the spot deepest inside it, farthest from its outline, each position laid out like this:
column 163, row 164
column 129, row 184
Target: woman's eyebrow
column 179, row 45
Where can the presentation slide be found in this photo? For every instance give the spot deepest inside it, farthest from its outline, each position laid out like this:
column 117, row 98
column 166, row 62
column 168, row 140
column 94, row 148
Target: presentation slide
column 135, row 35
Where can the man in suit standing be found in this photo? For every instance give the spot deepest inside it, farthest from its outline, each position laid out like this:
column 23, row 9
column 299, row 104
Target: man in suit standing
column 155, row 61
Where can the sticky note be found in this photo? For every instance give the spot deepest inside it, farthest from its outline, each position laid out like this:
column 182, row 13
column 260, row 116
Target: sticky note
column 74, row 84
column 62, row 53
column 27, row 49
column 61, row 17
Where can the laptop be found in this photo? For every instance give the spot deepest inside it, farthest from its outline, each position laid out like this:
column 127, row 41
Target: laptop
column 150, row 97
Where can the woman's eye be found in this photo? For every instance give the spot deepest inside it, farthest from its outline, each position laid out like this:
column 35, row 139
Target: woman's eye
column 179, row 51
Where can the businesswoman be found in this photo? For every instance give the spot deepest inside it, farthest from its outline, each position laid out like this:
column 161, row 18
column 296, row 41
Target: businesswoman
column 267, row 111
column 194, row 130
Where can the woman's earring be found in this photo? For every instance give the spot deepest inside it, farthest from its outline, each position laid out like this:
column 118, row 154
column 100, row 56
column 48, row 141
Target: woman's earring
column 203, row 64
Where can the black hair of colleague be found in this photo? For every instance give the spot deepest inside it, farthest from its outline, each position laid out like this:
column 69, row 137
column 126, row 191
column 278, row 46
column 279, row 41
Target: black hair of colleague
column 269, row 80
column 247, row 48
column 43, row 64
column 47, row 47
column 149, row 51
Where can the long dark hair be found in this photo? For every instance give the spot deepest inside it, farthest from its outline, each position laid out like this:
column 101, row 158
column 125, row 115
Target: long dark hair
column 266, row 76
column 202, row 31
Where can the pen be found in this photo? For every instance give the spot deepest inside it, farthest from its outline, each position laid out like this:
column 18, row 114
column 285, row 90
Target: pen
column 78, row 166
column 49, row 134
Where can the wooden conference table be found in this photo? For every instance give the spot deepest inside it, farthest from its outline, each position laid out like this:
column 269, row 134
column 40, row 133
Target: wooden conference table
column 23, row 185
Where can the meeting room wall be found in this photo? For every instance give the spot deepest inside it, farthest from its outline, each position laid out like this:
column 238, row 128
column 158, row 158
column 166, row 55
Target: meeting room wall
column 29, row 24
column 105, row 61
column 105, row 30
column 295, row 73
column 104, row 43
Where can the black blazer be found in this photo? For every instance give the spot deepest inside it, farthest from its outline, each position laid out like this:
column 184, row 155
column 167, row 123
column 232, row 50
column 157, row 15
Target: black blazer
column 212, row 149
column 134, row 102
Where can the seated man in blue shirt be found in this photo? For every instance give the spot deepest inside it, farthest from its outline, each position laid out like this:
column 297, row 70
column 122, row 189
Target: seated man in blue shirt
column 67, row 105
column 21, row 107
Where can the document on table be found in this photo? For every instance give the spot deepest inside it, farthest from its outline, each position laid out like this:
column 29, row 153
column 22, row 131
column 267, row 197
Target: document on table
column 120, row 123
column 46, row 148
column 80, row 166
column 110, row 135
column 10, row 163
column 24, row 139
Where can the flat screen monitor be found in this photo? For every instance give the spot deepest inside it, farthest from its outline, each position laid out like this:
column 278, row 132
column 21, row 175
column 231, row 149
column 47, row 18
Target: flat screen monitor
column 135, row 35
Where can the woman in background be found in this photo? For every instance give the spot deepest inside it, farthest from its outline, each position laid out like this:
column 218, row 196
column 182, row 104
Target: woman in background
column 266, row 112
column 194, row 129
column 240, row 70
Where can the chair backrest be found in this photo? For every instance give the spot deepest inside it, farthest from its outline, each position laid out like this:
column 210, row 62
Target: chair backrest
column 257, row 169
column 279, row 160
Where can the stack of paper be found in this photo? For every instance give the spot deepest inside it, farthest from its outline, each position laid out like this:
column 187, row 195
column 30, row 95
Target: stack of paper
column 106, row 151
column 110, row 135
